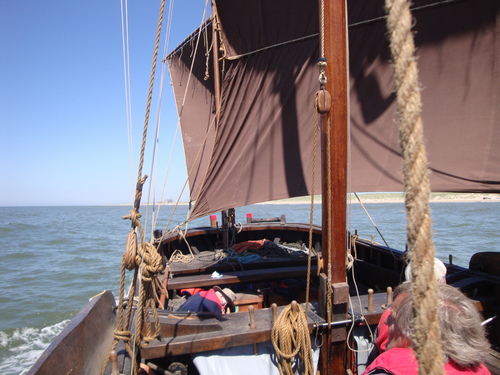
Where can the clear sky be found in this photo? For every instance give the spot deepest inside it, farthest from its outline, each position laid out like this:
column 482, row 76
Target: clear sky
column 63, row 129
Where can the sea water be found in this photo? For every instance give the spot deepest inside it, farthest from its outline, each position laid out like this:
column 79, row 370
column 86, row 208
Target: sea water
column 54, row 259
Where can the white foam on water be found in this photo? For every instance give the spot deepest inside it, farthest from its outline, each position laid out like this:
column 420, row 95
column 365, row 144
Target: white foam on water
column 23, row 346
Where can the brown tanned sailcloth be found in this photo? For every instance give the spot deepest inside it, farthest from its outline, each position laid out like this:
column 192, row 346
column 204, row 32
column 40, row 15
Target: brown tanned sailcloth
column 260, row 148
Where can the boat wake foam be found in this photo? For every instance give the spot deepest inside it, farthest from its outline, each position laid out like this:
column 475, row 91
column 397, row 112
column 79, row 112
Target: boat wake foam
column 20, row 348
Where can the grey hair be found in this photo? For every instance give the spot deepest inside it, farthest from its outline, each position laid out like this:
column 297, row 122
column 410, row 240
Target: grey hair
column 463, row 338
column 404, row 314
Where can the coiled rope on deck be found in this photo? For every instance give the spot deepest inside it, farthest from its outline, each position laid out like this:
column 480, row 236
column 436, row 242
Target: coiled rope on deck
column 290, row 337
column 426, row 340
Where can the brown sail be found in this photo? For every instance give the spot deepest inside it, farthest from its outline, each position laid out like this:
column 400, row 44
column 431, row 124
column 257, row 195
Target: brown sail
column 263, row 144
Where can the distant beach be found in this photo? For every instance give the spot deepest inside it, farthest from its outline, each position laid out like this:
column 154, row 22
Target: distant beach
column 397, row 198
column 374, row 198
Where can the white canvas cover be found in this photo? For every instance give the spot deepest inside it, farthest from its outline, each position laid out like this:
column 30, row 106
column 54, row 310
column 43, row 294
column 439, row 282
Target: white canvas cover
column 241, row 360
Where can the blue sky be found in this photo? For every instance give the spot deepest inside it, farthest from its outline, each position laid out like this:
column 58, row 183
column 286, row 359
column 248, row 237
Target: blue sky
column 63, row 128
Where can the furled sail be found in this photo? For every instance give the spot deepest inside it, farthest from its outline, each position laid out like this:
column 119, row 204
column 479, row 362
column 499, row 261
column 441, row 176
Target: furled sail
column 261, row 148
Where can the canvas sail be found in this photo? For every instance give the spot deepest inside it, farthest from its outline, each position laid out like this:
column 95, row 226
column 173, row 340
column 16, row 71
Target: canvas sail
column 262, row 147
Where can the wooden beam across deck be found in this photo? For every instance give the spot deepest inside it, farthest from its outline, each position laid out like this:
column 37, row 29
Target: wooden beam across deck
column 197, row 266
column 236, row 277
column 229, row 330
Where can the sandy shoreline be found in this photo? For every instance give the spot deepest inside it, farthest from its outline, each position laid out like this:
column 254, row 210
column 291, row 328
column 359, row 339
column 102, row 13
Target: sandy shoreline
column 379, row 198
column 399, row 198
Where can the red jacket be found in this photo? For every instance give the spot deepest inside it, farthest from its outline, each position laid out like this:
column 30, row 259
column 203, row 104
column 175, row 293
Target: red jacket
column 383, row 331
column 402, row 361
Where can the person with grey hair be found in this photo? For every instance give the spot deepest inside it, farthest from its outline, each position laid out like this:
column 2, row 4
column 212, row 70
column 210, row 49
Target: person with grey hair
column 463, row 339
column 382, row 328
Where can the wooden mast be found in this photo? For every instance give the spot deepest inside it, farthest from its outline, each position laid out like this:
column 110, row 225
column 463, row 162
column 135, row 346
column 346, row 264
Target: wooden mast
column 334, row 169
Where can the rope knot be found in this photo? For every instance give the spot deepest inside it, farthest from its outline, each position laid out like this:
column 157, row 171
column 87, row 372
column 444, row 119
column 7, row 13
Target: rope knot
column 125, row 336
column 134, row 216
column 149, row 260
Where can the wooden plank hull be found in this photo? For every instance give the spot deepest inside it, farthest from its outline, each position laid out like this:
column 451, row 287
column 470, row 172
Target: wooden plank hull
column 83, row 345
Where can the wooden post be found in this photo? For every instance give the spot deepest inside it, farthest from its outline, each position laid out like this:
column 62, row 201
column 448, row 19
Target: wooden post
column 253, row 326
column 370, row 300
column 113, row 357
column 274, row 308
column 334, row 168
column 389, row 296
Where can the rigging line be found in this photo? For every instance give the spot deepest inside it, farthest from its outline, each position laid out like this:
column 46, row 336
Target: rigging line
column 154, row 161
column 349, row 148
column 413, row 9
column 150, row 91
column 174, row 141
column 167, row 38
column 190, row 38
column 373, row 223
column 192, row 62
column 216, row 124
column 311, row 210
column 361, row 309
column 175, row 208
column 126, row 79
column 237, row 57
column 212, row 123
column 145, row 296
column 180, row 111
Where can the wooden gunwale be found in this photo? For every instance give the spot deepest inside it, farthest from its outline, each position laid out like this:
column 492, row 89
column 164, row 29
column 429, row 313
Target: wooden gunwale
column 259, row 227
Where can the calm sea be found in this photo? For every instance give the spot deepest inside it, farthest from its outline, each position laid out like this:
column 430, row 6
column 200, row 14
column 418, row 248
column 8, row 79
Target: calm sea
column 54, row 259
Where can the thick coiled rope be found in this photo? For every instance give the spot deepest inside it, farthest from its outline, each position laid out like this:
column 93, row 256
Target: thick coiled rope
column 417, row 191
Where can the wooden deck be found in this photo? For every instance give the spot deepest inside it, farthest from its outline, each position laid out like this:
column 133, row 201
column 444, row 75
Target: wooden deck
column 184, row 334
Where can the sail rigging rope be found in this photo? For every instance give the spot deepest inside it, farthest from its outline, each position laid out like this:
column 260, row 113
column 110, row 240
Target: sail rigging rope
column 198, row 155
column 173, row 211
column 374, row 225
column 215, row 123
column 311, row 211
column 126, row 78
column 426, row 340
column 148, row 260
column 154, row 164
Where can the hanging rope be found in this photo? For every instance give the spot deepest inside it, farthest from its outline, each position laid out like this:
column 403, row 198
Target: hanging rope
column 148, row 262
column 290, row 337
column 311, row 211
column 323, row 105
column 424, row 289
